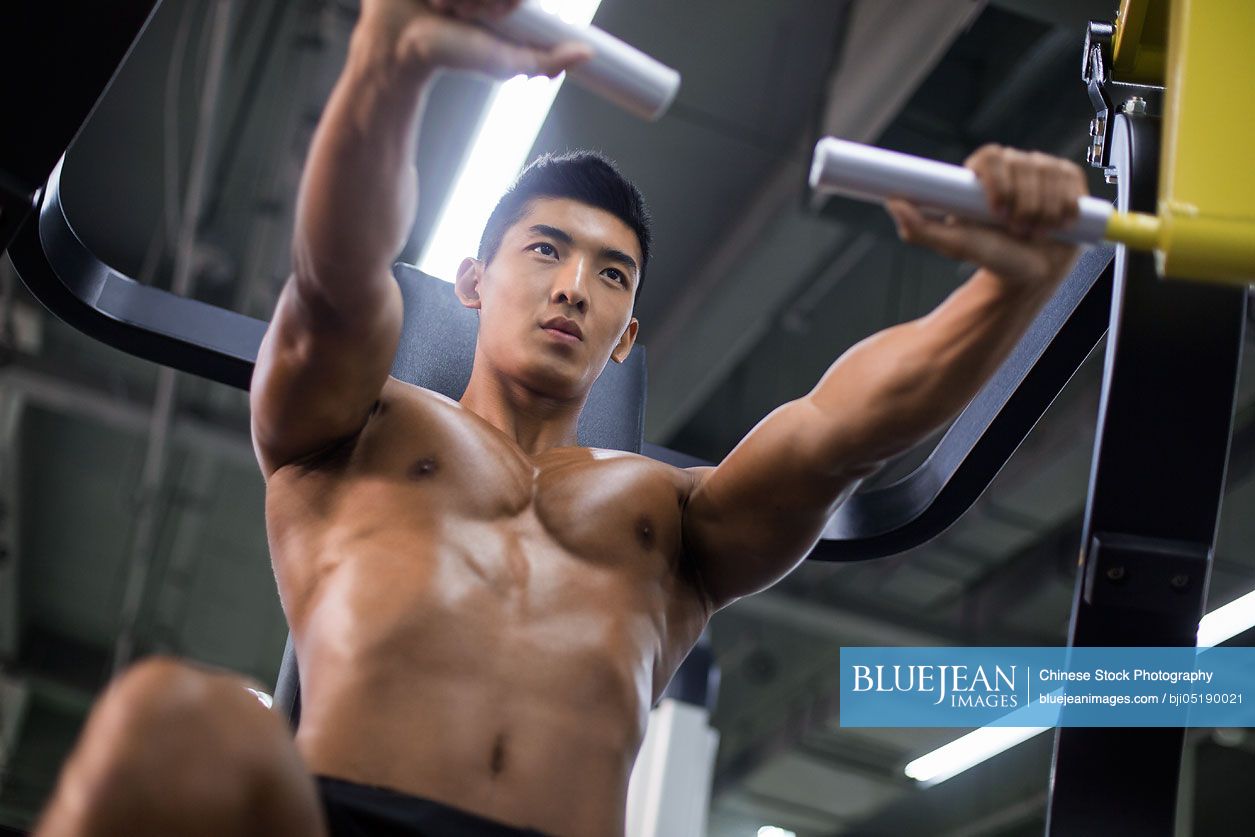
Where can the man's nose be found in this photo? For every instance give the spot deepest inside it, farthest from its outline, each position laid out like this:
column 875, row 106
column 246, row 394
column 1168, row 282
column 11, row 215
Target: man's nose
column 571, row 286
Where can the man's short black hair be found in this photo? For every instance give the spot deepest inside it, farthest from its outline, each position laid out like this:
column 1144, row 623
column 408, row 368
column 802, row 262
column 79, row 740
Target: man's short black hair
column 585, row 176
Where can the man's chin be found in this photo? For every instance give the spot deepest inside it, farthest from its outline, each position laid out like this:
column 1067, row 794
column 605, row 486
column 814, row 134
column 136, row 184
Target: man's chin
column 547, row 379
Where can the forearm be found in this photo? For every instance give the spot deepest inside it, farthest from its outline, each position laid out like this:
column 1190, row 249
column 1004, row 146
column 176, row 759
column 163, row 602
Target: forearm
column 899, row 386
column 359, row 190
column 967, row 338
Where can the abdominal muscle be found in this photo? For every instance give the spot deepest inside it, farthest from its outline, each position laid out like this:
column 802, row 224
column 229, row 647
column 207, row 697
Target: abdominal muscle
column 492, row 671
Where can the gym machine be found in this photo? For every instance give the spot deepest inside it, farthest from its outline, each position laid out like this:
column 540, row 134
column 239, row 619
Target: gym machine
column 1175, row 149
column 1169, row 381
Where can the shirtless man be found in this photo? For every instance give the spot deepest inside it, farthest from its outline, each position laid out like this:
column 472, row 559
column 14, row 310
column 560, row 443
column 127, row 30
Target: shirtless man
column 484, row 612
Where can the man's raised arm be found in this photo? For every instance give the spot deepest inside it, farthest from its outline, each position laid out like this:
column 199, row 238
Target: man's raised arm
column 331, row 342
column 755, row 516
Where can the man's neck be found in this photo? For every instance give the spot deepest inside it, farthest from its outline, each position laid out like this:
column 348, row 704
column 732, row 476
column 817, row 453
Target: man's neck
column 535, row 422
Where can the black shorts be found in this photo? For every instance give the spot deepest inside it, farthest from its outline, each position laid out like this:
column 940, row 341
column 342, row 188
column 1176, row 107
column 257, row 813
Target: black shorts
column 355, row 810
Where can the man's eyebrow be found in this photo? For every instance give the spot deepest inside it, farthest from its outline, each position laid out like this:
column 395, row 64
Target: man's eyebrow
column 552, row 232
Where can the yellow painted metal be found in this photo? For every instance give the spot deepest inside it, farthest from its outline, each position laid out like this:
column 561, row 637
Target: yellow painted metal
column 1139, row 49
column 1136, row 229
column 1206, row 178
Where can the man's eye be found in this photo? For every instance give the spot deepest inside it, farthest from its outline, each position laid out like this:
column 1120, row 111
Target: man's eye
column 545, row 249
column 616, row 275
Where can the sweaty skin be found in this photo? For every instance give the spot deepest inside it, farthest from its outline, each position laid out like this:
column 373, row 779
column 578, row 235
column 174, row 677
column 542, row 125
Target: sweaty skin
column 483, row 611
column 480, row 626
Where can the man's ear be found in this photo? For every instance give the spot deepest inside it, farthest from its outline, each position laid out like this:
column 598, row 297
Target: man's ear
column 466, row 286
column 626, row 341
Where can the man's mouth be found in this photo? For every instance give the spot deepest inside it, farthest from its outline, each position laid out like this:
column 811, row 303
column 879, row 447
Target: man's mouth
column 561, row 335
column 564, row 329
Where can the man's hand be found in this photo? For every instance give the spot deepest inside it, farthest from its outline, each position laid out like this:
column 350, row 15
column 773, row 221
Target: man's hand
column 1033, row 193
column 425, row 34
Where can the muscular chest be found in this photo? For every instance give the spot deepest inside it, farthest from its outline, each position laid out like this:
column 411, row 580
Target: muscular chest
column 439, row 467
column 432, row 521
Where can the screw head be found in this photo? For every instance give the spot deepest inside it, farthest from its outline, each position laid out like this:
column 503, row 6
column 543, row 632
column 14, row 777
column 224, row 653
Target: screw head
column 1134, row 104
column 1180, row 580
column 1115, row 573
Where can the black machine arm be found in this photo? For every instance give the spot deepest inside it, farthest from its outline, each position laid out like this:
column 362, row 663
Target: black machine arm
column 215, row 343
column 916, row 508
column 76, row 286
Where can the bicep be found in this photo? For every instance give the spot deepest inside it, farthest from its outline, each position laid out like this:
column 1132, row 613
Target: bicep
column 749, row 521
column 320, row 370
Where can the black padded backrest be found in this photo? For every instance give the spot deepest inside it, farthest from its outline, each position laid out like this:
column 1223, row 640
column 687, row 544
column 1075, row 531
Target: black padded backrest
column 437, row 350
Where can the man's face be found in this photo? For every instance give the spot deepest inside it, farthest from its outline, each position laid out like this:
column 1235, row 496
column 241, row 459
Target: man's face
column 562, row 265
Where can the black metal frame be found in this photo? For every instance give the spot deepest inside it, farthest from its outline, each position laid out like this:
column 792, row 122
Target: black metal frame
column 48, row 100
column 222, row 345
column 891, row 519
column 1164, row 429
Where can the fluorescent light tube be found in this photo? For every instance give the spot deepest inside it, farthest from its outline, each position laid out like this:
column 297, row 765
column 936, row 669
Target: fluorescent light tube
column 515, row 113
column 1227, row 621
column 968, row 751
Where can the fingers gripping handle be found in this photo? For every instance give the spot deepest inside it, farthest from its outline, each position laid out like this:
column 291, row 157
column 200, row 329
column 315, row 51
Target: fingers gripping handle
column 618, row 72
column 875, row 174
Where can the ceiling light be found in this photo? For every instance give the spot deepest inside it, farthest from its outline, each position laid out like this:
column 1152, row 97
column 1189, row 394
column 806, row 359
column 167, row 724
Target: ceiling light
column 515, row 113
column 968, row 751
column 1227, row 622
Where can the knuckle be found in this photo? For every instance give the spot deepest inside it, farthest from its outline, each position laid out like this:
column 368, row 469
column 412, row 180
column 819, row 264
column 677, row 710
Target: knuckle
column 1079, row 181
column 984, row 156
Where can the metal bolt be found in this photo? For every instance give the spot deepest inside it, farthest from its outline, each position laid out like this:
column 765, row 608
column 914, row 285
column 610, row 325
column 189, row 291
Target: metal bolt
column 1115, row 573
column 1134, row 104
column 1110, row 176
column 1180, row 580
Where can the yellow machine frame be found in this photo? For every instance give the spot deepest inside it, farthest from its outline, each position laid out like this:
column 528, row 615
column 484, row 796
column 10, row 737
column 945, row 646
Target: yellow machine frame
column 1205, row 226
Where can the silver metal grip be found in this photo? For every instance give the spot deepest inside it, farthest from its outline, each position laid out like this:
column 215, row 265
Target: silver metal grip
column 868, row 173
column 617, row 71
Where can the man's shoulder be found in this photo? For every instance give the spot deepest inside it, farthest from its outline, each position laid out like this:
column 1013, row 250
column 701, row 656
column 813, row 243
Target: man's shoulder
column 684, row 479
column 395, row 397
column 396, row 389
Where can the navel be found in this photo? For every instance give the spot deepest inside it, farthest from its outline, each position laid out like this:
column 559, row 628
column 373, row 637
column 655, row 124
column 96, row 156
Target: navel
column 498, row 755
column 645, row 532
column 425, row 467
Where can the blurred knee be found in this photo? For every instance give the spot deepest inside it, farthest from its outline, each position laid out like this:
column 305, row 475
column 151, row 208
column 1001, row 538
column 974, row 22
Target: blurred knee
column 166, row 711
column 167, row 740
